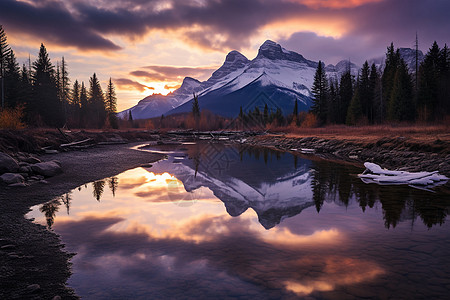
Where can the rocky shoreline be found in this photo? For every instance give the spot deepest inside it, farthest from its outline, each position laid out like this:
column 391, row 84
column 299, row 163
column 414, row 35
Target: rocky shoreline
column 33, row 262
column 389, row 152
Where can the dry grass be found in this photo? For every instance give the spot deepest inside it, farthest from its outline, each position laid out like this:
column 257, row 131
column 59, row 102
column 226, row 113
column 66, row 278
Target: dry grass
column 373, row 133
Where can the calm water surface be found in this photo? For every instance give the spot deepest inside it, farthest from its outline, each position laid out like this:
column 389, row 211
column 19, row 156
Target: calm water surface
column 215, row 221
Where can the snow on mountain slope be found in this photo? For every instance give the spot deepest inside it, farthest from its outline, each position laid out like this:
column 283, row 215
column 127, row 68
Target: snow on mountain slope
column 273, row 197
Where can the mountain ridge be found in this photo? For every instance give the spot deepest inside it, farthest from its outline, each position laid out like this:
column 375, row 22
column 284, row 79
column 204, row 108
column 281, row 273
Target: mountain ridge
column 288, row 77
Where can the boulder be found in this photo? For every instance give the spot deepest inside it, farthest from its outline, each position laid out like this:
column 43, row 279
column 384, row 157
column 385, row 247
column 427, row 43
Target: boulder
column 7, row 164
column 32, row 160
column 47, row 169
column 10, row 178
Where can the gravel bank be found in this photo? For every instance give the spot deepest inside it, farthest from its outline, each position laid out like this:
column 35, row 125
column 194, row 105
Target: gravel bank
column 33, row 264
column 389, row 152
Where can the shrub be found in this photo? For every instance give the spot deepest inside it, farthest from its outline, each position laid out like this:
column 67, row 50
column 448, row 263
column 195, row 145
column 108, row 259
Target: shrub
column 11, row 118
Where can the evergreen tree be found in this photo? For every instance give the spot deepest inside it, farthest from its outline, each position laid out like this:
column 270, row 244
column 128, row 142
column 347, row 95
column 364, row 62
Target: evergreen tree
column 84, row 106
column 196, row 108
column 375, row 89
column 366, row 93
column 333, row 102
column 401, row 106
column 355, row 112
column 12, row 88
column 4, row 53
column 444, row 82
column 387, row 79
column 46, row 103
column 427, row 98
column 25, row 86
column 320, row 94
column 64, row 87
column 111, row 104
column 345, row 97
column 74, row 104
column 96, row 103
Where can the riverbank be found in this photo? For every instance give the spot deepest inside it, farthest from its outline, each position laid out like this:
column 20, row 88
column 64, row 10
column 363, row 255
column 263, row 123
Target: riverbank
column 408, row 153
column 33, row 264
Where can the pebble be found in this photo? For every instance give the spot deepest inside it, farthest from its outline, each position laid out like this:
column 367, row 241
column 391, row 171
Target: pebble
column 6, row 247
column 33, row 288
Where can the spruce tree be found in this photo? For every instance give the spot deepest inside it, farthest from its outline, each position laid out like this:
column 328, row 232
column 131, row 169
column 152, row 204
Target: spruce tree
column 25, row 87
column 444, row 82
column 345, row 96
column 333, row 102
column 195, row 108
column 111, row 104
column 12, row 88
column 375, row 90
column 46, row 104
column 64, row 87
column 266, row 114
column 74, row 104
column 401, row 106
column 320, row 94
column 355, row 110
column 4, row 53
column 365, row 93
column 84, row 106
column 387, row 79
column 427, row 98
column 97, row 108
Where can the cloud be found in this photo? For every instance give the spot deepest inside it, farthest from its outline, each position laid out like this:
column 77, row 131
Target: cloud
column 128, row 84
column 54, row 23
column 204, row 249
column 171, row 73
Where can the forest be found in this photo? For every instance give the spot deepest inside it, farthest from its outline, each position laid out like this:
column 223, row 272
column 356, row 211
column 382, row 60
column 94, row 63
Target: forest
column 40, row 94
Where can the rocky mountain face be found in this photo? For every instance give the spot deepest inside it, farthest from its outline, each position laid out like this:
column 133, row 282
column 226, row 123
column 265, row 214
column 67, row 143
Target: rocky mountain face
column 276, row 77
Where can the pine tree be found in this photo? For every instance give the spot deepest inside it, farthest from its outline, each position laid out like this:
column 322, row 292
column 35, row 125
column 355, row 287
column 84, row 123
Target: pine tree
column 320, row 93
column 444, row 82
column 387, row 79
column 46, row 103
column 74, row 104
column 84, row 106
column 365, row 93
column 345, row 96
column 355, row 111
column 375, row 89
column 111, row 104
column 195, row 108
column 25, row 86
column 427, row 98
column 64, row 87
column 96, row 103
column 12, row 81
column 401, row 106
column 333, row 102
column 4, row 53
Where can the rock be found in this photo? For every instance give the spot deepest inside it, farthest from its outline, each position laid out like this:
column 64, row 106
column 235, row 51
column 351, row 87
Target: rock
column 57, row 297
column 7, row 164
column 10, row 178
column 47, row 151
column 19, row 184
column 34, row 288
column 32, row 160
column 47, row 169
column 25, row 169
column 6, row 247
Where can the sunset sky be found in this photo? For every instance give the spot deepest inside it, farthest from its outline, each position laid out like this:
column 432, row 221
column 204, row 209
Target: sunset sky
column 149, row 46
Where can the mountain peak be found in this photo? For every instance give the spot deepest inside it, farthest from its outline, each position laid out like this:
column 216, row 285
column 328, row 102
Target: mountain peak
column 235, row 56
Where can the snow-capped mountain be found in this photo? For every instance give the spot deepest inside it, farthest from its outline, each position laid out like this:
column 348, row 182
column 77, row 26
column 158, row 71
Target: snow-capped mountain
column 276, row 76
column 274, row 193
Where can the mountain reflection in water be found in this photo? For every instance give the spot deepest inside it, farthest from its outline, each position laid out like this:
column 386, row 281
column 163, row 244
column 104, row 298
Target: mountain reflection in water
column 162, row 232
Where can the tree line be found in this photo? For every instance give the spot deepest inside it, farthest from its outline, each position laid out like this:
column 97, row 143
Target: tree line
column 392, row 94
column 42, row 94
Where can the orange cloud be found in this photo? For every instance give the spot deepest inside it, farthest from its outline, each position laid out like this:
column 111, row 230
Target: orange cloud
column 128, row 84
column 336, row 4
